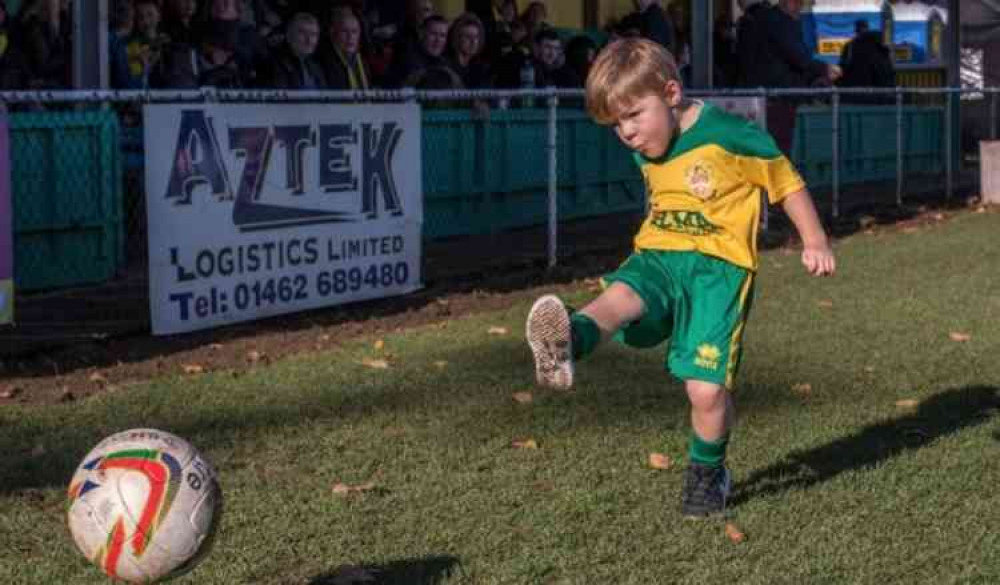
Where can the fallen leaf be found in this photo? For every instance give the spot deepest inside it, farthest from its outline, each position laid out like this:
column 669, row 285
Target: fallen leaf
column 908, row 403
column 734, row 534
column 981, row 209
column 497, row 331
column 441, row 364
column 379, row 344
column 377, row 364
column 215, row 346
column 97, row 378
column 938, row 216
column 254, row 356
column 324, row 338
column 803, row 388
column 660, row 461
column 524, row 444
column 343, row 488
column 956, row 336
column 193, row 369
column 10, row 392
column 869, row 369
column 523, row 397
column 825, row 303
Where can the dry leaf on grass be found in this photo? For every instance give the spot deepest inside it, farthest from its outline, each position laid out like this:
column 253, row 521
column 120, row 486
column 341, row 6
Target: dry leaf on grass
column 379, row 344
column 734, row 533
column 324, row 338
column 660, row 461
column 869, row 369
column 825, row 303
column 10, row 392
column 960, row 337
column 908, row 403
column 524, row 444
column 497, row 331
column 802, row 389
column 98, row 378
column 344, row 489
column 193, row 369
column 254, row 356
column 441, row 364
column 523, row 397
column 376, row 364
column 215, row 346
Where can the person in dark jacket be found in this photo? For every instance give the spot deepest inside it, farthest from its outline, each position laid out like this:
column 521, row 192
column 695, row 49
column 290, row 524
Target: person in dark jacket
column 341, row 56
column 866, row 62
column 293, row 65
column 406, row 67
column 465, row 45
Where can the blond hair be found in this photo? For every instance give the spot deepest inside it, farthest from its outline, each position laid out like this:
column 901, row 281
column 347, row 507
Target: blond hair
column 624, row 71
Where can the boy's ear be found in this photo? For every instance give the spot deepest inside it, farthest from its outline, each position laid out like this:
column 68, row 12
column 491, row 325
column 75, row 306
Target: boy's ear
column 673, row 93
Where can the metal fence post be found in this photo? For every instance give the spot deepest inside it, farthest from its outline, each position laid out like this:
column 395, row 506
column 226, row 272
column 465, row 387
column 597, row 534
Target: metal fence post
column 993, row 114
column 553, row 170
column 899, row 147
column 836, row 153
column 949, row 147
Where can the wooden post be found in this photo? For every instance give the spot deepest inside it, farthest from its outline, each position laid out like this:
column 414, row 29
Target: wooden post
column 989, row 157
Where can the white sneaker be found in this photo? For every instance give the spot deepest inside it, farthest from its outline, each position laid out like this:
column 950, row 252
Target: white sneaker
column 550, row 337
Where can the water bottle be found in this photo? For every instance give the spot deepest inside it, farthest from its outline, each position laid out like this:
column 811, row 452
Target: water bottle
column 528, row 81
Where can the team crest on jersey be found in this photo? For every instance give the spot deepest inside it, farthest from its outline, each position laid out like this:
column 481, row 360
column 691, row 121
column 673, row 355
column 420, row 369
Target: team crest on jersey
column 700, row 180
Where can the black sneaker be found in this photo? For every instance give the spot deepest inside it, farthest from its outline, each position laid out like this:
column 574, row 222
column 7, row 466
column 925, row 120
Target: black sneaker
column 549, row 335
column 705, row 491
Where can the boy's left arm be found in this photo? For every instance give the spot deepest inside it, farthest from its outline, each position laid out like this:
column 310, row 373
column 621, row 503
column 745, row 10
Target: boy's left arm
column 817, row 255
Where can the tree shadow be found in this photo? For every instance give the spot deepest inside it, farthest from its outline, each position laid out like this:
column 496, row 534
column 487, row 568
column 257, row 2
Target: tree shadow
column 431, row 570
column 940, row 415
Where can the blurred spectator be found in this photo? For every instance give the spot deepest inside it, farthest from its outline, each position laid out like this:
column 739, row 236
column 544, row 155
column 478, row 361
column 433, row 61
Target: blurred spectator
column 465, row 43
column 546, row 61
column 408, row 66
column 408, row 36
column 772, row 53
column 146, row 45
column 654, row 24
column 13, row 69
column 581, row 51
column 292, row 66
column 45, row 30
column 341, row 57
column 497, row 17
column 252, row 54
column 866, row 62
column 122, row 24
column 210, row 63
column 179, row 21
column 535, row 18
column 724, row 52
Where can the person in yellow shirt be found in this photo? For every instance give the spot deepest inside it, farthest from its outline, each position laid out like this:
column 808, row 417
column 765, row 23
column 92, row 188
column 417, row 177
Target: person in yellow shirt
column 691, row 275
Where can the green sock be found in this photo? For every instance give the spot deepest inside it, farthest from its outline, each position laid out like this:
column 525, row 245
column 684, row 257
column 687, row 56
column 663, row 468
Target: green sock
column 586, row 335
column 708, row 453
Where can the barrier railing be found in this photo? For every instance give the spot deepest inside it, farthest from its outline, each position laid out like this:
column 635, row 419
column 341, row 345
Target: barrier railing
column 905, row 118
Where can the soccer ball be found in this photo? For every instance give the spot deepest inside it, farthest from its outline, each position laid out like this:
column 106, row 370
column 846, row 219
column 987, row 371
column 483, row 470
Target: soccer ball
column 144, row 506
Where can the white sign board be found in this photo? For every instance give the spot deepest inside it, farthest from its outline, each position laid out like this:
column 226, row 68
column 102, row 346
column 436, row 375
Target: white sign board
column 751, row 108
column 260, row 210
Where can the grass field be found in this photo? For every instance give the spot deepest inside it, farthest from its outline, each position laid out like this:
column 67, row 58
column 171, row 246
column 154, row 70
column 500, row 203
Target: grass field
column 868, row 449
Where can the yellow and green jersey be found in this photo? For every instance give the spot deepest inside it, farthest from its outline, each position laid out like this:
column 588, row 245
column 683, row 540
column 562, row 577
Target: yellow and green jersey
column 705, row 192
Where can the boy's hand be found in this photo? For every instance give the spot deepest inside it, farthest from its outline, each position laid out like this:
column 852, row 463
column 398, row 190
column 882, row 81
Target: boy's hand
column 819, row 260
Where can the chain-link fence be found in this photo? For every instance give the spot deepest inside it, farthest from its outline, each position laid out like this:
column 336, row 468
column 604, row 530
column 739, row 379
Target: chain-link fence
column 511, row 178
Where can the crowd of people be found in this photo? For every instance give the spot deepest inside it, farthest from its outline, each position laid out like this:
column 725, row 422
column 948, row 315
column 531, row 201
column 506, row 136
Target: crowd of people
column 366, row 44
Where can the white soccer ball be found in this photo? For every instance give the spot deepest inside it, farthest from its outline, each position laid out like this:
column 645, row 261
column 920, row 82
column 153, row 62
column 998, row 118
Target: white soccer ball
column 144, row 506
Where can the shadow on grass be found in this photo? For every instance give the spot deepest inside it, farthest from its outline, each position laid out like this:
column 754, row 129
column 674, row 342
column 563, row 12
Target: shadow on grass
column 940, row 415
column 431, row 570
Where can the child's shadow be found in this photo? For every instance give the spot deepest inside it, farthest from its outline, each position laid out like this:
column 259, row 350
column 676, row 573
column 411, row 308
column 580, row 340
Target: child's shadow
column 940, row 415
column 432, row 570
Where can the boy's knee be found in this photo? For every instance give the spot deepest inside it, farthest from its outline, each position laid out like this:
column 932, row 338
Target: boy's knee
column 705, row 395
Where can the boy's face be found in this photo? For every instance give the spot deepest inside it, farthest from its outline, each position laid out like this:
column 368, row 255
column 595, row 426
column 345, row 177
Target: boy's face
column 648, row 124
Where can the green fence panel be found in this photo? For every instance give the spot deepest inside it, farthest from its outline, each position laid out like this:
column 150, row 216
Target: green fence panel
column 489, row 175
column 66, row 188
column 867, row 143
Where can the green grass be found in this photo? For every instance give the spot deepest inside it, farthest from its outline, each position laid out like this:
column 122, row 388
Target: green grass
column 836, row 484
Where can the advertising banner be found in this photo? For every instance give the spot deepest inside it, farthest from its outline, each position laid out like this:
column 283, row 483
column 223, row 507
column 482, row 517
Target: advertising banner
column 260, row 210
column 6, row 226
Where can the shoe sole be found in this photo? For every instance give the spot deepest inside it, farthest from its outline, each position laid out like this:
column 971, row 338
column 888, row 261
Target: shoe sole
column 549, row 335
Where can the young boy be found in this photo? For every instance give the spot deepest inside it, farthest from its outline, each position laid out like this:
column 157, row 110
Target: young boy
column 691, row 275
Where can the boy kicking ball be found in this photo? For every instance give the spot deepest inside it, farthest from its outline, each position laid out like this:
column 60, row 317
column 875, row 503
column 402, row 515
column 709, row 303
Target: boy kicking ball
column 691, row 275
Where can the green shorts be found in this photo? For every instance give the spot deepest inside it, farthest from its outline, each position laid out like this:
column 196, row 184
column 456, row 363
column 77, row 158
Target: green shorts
column 698, row 301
